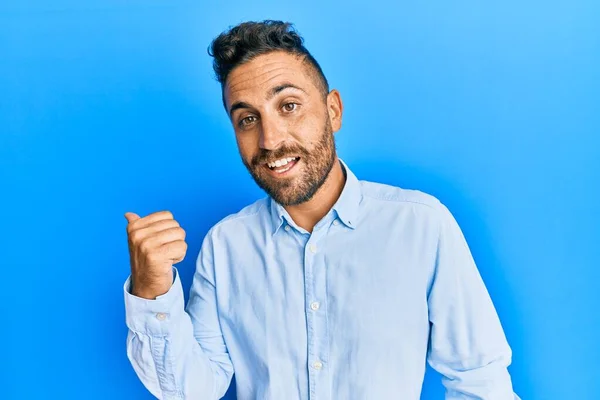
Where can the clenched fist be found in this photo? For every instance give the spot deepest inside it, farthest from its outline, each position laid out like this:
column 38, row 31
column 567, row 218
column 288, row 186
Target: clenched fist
column 156, row 242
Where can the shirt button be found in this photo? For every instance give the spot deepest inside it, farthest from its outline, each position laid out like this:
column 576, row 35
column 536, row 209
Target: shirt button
column 336, row 222
column 161, row 316
column 312, row 248
column 287, row 228
column 318, row 365
column 314, row 305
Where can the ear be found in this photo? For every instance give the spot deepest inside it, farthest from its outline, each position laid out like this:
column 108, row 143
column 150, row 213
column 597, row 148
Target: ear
column 335, row 109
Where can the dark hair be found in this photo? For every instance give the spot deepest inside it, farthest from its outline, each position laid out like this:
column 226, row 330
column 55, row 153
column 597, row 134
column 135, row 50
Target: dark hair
column 248, row 40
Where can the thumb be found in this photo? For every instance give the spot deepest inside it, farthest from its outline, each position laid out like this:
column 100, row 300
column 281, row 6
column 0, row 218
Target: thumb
column 131, row 217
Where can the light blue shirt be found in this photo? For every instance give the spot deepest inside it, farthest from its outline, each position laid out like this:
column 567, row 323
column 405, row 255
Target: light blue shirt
column 351, row 311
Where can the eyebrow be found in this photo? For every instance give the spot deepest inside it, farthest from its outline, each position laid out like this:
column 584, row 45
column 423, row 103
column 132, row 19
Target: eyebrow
column 274, row 91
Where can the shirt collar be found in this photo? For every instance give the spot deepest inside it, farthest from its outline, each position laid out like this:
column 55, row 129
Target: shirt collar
column 346, row 207
column 348, row 203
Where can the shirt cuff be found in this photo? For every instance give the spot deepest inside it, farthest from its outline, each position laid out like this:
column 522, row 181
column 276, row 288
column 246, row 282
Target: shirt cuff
column 154, row 317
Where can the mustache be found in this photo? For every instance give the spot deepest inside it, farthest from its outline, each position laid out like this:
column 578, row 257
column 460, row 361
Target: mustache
column 266, row 156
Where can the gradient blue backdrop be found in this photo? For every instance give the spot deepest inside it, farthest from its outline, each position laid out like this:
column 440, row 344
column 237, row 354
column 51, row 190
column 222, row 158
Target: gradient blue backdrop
column 109, row 106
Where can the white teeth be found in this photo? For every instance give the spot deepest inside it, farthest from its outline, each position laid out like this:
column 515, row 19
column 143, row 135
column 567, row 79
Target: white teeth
column 281, row 162
column 283, row 170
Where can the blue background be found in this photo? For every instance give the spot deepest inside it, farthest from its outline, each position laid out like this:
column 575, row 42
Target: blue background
column 110, row 106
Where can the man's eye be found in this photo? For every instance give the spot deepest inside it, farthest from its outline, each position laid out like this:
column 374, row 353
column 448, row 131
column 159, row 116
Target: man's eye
column 247, row 121
column 289, row 107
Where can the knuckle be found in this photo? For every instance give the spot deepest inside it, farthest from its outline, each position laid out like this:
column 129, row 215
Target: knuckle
column 153, row 257
column 181, row 247
column 173, row 233
column 171, row 223
column 163, row 223
column 130, row 227
column 134, row 236
column 145, row 247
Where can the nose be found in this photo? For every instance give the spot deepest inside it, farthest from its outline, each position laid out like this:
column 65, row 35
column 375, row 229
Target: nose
column 271, row 135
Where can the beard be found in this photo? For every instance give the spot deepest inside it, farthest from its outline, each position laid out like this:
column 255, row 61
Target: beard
column 317, row 164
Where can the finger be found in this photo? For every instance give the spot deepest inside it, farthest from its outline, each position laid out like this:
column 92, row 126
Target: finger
column 149, row 219
column 168, row 235
column 155, row 227
column 175, row 250
column 139, row 235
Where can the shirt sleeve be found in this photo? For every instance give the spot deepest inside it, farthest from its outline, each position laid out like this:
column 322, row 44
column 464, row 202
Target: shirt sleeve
column 177, row 356
column 467, row 343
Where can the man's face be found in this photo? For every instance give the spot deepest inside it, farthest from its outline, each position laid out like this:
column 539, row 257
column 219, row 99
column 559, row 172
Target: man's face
column 282, row 126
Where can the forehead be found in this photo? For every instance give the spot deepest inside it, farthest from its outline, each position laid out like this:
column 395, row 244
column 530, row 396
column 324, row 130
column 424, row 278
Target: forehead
column 252, row 80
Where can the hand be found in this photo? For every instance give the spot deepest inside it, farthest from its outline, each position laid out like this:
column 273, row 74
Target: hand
column 156, row 242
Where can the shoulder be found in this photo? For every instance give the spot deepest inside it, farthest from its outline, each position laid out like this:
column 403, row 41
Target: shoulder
column 380, row 196
column 391, row 202
column 397, row 196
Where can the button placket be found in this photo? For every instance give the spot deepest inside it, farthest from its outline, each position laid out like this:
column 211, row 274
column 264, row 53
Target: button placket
column 314, row 328
column 316, row 295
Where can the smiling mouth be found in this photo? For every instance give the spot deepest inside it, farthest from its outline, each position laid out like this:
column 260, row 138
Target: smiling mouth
column 282, row 165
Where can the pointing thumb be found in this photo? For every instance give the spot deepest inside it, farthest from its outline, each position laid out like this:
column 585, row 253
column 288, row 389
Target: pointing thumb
column 131, row 216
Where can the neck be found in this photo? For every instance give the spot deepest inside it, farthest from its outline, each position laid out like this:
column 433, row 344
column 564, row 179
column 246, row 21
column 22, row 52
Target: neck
column 309, row 213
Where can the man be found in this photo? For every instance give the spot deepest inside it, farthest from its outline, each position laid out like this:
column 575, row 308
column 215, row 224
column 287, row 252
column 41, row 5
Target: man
column 330, row 287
